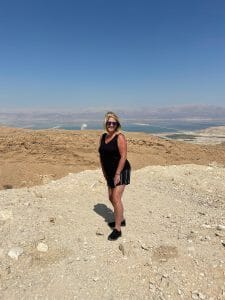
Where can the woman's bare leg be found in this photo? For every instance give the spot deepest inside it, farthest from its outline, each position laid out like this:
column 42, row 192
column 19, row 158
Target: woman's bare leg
column 110, row 193
column 117, row 193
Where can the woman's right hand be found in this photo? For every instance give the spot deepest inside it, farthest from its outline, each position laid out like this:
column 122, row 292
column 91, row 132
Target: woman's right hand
column 116, row 179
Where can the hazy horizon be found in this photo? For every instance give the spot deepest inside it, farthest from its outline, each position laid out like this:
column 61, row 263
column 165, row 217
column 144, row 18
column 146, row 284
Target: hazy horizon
column 144, row 109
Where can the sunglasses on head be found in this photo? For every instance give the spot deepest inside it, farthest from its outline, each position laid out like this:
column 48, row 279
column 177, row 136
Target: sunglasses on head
column 108, row 123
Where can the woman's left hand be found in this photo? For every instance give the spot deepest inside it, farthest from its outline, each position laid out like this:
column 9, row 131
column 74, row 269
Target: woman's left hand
column 116, row 179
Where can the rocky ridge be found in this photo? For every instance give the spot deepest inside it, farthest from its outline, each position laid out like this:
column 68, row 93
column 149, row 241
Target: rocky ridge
column 32, row 157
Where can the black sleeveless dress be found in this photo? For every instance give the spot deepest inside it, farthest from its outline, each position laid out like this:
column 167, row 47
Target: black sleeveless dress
column 110, row 157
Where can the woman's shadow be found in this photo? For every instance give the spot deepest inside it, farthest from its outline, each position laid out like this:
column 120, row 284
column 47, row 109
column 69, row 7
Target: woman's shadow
column 104, row 211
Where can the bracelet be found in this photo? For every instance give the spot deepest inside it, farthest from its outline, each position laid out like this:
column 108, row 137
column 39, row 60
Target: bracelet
column 117, row 173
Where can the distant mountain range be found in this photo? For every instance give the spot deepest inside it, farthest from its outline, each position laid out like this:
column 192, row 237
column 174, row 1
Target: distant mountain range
column 187, row 113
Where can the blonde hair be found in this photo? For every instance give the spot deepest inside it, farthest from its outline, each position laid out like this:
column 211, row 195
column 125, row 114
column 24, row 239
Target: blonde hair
column 111, row 114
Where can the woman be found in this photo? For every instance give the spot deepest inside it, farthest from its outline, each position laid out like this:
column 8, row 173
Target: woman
column 116, row 169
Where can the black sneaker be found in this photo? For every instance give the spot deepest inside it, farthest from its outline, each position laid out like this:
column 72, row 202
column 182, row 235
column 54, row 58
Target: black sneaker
column 114, row 235
column 112, row 224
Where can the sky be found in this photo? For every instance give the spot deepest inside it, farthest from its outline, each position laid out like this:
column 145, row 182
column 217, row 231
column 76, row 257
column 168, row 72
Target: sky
column 74, row 55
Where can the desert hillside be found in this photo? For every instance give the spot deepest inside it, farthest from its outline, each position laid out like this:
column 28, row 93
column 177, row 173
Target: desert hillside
column 218, row 130
column 54, row 228
column 29, row 157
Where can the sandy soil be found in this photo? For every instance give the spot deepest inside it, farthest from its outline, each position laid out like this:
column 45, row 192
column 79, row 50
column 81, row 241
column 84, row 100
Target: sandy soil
column 30, row 157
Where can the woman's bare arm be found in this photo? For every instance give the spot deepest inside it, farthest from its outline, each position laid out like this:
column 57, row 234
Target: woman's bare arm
column 103, row 171
column 122, row 145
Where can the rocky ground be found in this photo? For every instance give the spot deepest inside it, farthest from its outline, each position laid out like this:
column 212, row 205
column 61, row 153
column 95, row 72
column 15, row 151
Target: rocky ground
column 54, row 236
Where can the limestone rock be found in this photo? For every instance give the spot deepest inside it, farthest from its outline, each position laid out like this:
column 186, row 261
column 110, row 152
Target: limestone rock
column 15, row 252
column 6, row 215
column 42, row 247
